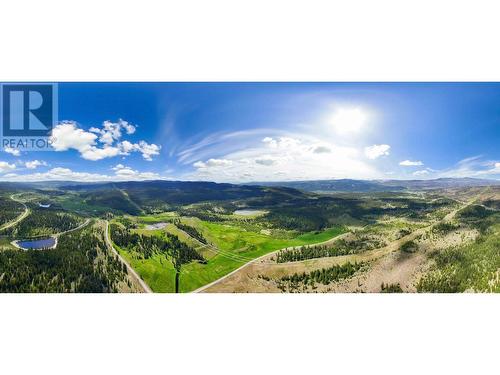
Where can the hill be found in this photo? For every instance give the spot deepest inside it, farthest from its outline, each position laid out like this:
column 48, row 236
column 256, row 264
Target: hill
column 135, row 196
column 370, row 186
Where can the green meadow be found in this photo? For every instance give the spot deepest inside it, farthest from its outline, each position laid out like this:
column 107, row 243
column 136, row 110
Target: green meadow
column 234, row 246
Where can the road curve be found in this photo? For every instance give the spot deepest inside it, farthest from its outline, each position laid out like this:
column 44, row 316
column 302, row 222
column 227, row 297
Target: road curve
column 19, row 218
column 136, row 276
column 201, row 289
column 365, row 256
column 85, row 223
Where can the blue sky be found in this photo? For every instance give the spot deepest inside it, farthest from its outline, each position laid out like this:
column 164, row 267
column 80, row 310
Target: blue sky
column 241, row 132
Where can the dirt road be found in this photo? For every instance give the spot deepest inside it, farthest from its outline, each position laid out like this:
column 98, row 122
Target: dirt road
column 19, row 218
column 246, row 278
column 265, row 259
column 130, row 270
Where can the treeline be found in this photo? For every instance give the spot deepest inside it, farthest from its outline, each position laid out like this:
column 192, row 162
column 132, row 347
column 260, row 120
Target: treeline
column 192, row 231
column 323, row 276
column 304, row 221
column 147, row 246
column 445, row 227
column 9, row 210
column 306, row 215
column 478, row 217
column 202, row 215
column 409, row 247
column 81, row 263
column 309, row 252
column 44, row 222
column 472, row 267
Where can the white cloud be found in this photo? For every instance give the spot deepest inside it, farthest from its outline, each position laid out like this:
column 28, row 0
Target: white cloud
column 268, row 161
column 422, row 172
column 112, row 131
column 94, row 153
column 65, row 174
column 118, row 167
column 68, row 135
column 290, row 157
column 409, row 163
column 321, row 150
column 147, row 150
column 212, row 163
column 34, row 164
column 12, row 151
column 473, row 166
column 376, row 151
column 100, row 143
column 281, row 142
column 6, row 167
column 127, row 173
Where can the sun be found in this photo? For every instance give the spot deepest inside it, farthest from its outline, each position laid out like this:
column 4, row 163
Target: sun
column 347, row 121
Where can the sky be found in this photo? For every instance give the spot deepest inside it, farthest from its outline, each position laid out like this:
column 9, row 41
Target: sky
column 257, row 132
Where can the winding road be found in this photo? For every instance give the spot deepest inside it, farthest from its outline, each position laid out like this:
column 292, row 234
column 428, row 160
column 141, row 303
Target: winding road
column 131, row 271
column 19, row 218
column 234, row 276
column 253, row 261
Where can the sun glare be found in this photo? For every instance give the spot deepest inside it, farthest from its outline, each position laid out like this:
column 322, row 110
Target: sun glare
column 349, row 120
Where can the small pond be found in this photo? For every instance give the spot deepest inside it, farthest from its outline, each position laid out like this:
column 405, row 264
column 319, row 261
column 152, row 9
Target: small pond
column 39, row 244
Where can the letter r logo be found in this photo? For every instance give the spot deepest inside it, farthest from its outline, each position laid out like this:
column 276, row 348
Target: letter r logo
column 28, row 109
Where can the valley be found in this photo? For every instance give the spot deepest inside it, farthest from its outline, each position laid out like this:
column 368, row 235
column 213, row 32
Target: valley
column 169, row 236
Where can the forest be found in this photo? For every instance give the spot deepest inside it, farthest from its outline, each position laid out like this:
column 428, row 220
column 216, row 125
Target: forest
column 310, row 252
column 9, row 210
column 325, row 276
column 210, row 241
column 81, row 263
column 471, row 267
column 43, row 222
column 145, row 246
column 192, row 231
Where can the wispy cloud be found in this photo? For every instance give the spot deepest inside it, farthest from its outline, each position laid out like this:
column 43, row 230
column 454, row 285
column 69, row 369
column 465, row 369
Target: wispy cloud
column 121, row 173
column 285, row 158
column 473, row 166
column 6, row 167
column 409, row 163
column 34, row 164
column 12, row 151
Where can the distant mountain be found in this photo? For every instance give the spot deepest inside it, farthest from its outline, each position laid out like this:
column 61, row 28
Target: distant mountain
column 223, row 191
column 442, row 183
column 134, row 196
column 38, row 184
column 344, row 185
column 348, row 185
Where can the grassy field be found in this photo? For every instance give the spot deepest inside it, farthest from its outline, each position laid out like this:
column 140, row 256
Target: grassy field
column 157, row 271
column 236, row 244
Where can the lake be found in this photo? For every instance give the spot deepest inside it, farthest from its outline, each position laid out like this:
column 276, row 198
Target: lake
column 43, row 243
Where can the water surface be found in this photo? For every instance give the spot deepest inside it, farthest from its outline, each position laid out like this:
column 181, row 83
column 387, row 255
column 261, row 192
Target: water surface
column 39, row 244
